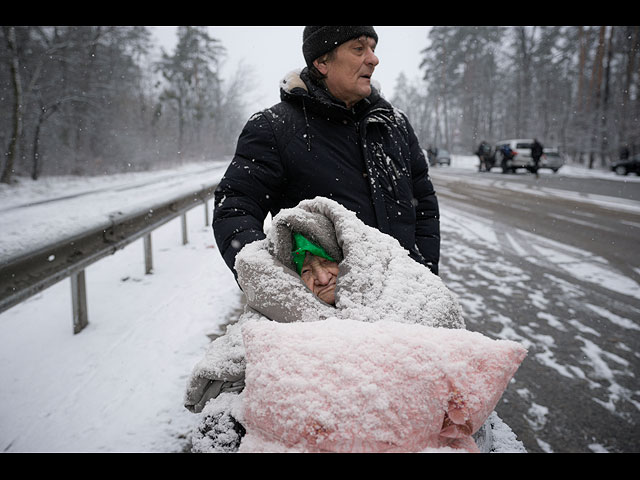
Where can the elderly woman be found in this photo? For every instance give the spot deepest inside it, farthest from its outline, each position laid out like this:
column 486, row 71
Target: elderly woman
column 316, row 268
column 318, row 261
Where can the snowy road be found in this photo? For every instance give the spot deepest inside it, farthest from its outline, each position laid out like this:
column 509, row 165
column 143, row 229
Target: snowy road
column 543, row 263
column 556, row 267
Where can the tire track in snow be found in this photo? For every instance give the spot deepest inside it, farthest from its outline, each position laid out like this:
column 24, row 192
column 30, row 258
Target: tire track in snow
column 581, row 366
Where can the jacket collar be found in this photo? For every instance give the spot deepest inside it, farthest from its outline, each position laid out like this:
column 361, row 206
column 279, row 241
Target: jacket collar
column 297, row 86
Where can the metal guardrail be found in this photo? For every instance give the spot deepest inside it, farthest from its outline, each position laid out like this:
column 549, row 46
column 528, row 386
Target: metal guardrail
column 28, row 274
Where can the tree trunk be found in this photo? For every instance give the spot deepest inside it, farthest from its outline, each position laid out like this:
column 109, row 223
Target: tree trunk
column 596, row 93
column 181, row 122
column 604, row 141
column 579, row 120
column 634, row 36
column 36, row 165
column 10, row 36
column 581, row 67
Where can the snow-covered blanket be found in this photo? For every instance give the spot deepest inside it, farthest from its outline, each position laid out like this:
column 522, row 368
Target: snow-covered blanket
column 377, row 278
column 349, row 386
column 377, row 282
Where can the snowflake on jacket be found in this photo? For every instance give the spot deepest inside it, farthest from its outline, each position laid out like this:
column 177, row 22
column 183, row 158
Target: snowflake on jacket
column 366, row 158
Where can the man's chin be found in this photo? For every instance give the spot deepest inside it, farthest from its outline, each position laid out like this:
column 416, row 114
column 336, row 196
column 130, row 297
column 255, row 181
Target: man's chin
column 366, row 91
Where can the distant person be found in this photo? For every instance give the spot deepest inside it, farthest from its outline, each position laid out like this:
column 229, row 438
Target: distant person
column 332, row 135
column 507, row 155
column 624, row 152
column 483, row 153
column 536, row 153
column 432, row 155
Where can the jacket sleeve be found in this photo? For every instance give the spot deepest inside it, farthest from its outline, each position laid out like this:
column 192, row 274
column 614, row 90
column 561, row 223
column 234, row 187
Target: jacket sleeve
column 248, row 190
column 427, row 210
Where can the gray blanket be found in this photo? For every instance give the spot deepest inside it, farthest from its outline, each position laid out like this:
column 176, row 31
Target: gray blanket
column 377, row 280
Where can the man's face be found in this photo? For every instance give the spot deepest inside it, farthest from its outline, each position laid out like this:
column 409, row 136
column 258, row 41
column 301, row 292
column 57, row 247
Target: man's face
column 348, row 73
column 320, row 275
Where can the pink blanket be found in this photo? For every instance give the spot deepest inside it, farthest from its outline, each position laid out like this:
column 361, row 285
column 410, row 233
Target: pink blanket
column 349, row 386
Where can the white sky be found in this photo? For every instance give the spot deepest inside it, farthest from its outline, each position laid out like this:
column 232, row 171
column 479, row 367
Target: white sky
column 275, row 50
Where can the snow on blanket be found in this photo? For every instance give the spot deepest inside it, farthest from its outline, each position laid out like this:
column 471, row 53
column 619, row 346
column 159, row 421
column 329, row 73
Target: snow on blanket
column 339, row 385
column 377, row 280
column 387, row 351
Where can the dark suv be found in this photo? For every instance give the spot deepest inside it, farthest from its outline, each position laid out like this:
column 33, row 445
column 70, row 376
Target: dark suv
column 623, row 167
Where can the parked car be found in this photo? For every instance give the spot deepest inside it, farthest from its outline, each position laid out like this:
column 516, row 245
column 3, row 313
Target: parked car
column 522, row 155
column 443, row 158
column 552, row 159
column 623, row 167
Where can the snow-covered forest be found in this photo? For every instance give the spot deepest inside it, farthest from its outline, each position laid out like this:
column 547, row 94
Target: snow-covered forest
column 87, row 100
column 578, row 87
column 96, row 99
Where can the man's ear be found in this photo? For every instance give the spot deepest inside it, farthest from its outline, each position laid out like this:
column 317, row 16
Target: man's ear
column 321, row 64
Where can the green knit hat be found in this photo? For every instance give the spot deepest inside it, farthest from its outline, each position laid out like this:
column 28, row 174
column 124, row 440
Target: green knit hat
column 300, row 248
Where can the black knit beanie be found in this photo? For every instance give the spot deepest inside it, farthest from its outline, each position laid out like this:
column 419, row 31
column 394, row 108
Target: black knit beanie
column 316, row 41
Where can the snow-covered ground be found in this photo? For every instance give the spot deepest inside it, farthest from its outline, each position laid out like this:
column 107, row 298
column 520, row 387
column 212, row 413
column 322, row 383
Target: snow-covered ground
column 118, row 385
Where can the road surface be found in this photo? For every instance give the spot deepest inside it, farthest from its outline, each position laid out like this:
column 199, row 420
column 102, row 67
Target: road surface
column 553, row 263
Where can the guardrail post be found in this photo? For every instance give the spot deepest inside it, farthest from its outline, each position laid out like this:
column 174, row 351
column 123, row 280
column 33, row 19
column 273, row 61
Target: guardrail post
column 148, row 257
column 185, row 239
column 79, row 301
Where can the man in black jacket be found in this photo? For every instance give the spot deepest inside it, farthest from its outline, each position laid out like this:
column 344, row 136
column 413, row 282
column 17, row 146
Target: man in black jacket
column 332, row 135
column 537, row 151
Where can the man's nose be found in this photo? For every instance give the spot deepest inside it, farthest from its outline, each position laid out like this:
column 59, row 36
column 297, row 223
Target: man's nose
column 372, row 59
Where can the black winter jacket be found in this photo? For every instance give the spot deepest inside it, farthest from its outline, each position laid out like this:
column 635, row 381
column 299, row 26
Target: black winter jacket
column 366, row 158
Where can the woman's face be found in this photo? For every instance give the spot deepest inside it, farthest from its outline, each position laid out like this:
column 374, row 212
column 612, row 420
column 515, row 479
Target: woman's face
column 320, row 275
